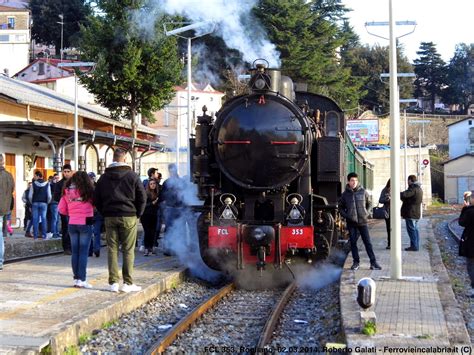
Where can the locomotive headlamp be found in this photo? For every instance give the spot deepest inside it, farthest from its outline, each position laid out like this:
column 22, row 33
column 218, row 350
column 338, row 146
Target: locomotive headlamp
column 260, row 84
column 229, row 211
column 258, row 234
column 227, row 214
column 295, row 214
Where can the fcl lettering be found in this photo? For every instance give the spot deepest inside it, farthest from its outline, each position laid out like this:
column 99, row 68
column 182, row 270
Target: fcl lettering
column 222, row 231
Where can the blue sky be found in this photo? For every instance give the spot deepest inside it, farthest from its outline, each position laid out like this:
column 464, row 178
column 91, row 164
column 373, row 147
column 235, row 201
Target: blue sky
column 445, row 23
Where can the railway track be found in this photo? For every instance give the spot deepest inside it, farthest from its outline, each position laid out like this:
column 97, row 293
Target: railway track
column 454, row 229
column 243, row 322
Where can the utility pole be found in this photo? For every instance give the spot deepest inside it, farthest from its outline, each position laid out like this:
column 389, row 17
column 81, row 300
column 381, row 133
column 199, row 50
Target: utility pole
column 395, row 221
column 61, row 16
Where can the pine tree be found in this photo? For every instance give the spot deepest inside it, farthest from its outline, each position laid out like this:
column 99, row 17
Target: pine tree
column 460, row 77
column 368, row 62
column 430, row 73
column 46, row 27
column 308, row 36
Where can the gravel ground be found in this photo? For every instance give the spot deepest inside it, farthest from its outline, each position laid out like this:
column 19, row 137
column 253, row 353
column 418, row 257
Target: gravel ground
column 456, row 267
column 234, row 325
column 310, row 321
column 135, row 332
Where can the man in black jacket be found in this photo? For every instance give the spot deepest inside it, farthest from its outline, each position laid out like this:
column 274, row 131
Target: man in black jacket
column 466, row 220
column 120, row 197
column 411, row 211
column 354, row 205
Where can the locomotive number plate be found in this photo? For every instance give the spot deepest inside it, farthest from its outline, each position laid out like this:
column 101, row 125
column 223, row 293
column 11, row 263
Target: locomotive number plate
column 222, row 237
column 301, row 237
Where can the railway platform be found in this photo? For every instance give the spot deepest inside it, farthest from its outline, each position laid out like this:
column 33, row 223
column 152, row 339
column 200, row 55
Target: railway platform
column 39, row 305
column 417, row 311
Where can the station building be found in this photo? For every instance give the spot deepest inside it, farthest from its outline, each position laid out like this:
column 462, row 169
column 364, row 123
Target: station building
column 459, row 169
column 37, row 131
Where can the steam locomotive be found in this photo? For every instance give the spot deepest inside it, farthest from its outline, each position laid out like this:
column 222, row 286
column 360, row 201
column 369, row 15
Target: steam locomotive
column 270, row 170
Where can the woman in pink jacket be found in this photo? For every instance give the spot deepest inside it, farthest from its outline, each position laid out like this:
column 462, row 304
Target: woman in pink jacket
column 76, row 203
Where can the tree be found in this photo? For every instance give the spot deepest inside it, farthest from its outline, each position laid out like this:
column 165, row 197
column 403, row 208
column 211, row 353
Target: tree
column 430, row 73
column 47, row 30
column 460, row 77
column 308, row 35
column 368, row 62
column 136, row 70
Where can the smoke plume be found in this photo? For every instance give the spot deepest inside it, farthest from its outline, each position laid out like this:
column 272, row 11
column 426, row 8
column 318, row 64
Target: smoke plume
column 234, row 23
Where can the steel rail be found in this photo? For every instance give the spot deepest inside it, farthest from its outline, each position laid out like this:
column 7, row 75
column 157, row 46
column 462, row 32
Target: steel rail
column 272, row 320
column 453, row 233
column 160, row 346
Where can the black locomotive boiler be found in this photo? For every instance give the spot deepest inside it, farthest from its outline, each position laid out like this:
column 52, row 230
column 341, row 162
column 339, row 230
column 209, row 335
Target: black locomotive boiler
column 270, row 170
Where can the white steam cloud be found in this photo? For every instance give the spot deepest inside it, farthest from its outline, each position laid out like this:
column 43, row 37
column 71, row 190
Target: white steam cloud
column 233, row 20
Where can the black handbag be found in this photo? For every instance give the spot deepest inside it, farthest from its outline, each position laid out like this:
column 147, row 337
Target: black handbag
column 380, row 213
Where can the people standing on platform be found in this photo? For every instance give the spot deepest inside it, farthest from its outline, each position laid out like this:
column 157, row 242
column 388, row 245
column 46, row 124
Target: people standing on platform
column 53, row 206
column 7, row 220
column 7, row 185
column 172, row 203
column 385, row 200
column 152, row 174
column 159, row 214
column 149, row 217
column 354, row 206
column 466, row 220
column 120, row 198
column 97, row 228
column 58, row 190
column 76, row 203
column 40, row 196
column 28, row 220
column 411, row 211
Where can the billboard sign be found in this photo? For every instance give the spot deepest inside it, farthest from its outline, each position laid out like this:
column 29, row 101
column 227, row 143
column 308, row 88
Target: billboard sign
column 363, row 130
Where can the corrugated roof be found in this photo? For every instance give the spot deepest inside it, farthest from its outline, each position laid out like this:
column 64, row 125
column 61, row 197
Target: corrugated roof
column 40, row 96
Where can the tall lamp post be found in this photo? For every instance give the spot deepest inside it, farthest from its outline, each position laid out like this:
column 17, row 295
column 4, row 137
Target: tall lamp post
column 177, row 33
column 395, row 235
column 76, row 113
column 61, row 16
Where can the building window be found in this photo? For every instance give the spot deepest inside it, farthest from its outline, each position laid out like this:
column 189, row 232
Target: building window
column 4, row 38
column 470, row 122
column 11, row 23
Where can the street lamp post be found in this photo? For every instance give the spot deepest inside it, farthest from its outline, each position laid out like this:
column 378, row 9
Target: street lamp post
column 177, row 32
column 61, row 16
column 76, row 105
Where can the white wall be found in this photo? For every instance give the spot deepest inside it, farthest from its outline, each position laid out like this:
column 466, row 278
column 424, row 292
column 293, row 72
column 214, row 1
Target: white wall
column 13, row 56
column 65, row 86
column 459, row 138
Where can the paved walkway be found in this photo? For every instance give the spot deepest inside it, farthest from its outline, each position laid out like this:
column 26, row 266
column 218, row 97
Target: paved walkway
column 417, row 311
column 39, row 306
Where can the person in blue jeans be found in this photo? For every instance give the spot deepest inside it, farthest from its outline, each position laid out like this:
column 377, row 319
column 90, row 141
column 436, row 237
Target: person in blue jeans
column 411, row 211
column 53, row 206
column 39, row 196
column 97, row 227
column 7, row 185
column 353, row 206
column 76, row 203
